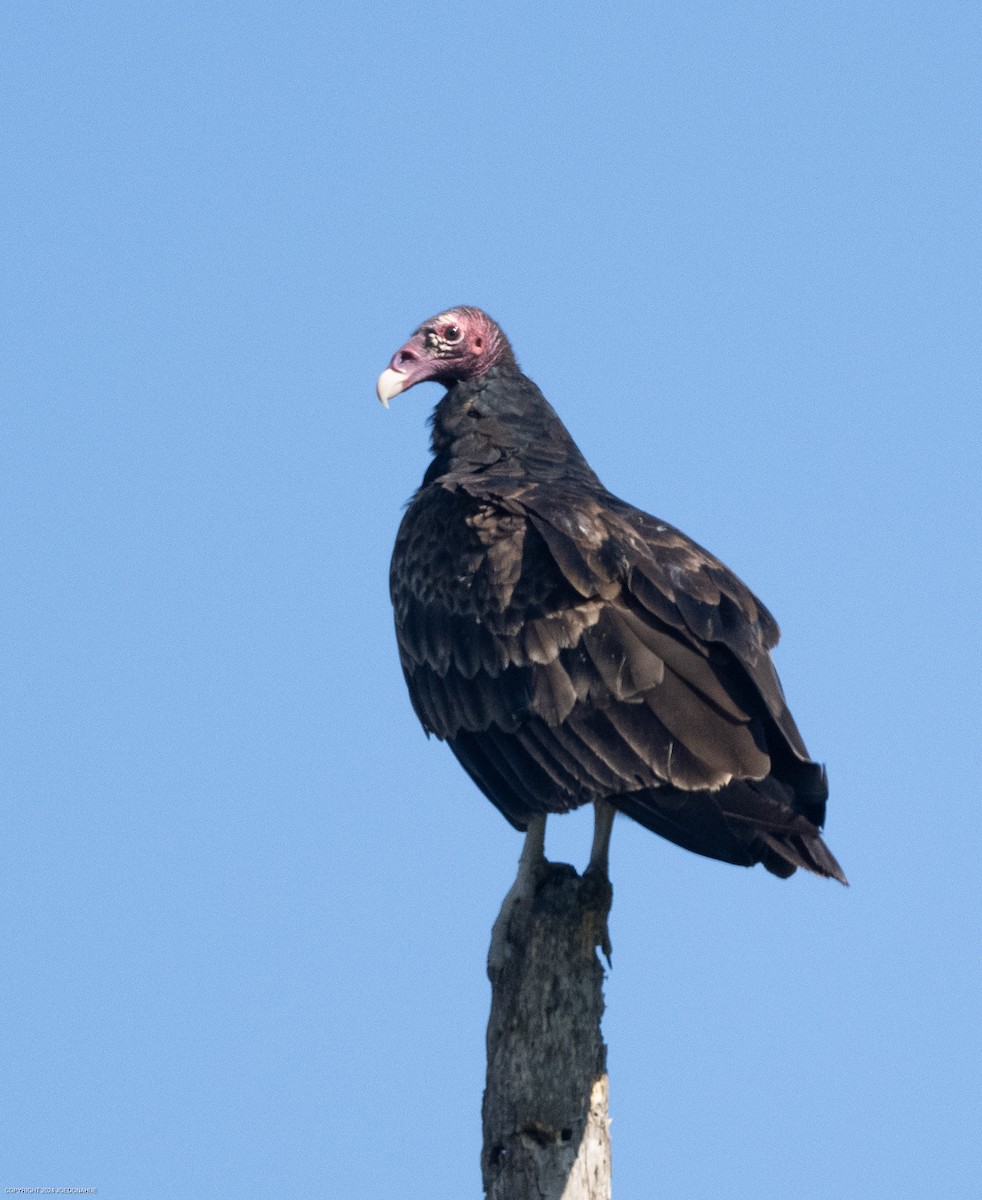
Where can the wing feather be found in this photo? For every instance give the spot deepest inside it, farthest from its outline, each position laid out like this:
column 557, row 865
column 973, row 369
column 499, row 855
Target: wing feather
column 577, row 649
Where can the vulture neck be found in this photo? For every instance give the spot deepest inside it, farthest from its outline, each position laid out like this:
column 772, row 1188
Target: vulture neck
column 500, row 424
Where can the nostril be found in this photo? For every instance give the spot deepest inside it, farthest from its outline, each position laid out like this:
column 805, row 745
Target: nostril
column 405, row 356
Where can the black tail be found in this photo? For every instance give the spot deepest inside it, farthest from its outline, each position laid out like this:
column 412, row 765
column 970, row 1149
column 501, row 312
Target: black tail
column 745, row 822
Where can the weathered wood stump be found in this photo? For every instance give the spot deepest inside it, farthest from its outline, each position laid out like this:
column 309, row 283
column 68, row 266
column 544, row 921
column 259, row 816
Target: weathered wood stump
column 546, row 1129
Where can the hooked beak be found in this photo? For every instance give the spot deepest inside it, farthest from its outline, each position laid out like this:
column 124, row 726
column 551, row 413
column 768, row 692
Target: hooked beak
column 391, row 383
column 410, row 365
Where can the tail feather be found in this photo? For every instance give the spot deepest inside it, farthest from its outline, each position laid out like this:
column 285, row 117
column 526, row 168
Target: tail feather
column 800, row 849
column 745, row 822
column 769, row 812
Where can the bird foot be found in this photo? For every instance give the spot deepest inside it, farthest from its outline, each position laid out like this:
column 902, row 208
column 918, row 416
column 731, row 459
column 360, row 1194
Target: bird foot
column 517, row 905
column 598, row 895
column 521, row 895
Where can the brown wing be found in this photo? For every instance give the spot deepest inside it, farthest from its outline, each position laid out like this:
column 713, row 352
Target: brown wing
column 677, row 588
column 571, row 648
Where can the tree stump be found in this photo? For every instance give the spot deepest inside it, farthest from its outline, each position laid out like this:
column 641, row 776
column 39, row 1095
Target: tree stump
column 546, row 1129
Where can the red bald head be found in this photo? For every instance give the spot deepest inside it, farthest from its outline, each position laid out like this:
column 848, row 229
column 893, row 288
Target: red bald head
column 461, row 343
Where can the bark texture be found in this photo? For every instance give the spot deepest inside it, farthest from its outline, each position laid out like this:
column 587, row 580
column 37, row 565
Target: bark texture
column 546, row 1129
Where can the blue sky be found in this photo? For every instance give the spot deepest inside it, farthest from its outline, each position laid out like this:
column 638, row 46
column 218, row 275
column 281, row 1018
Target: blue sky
column 246, row 904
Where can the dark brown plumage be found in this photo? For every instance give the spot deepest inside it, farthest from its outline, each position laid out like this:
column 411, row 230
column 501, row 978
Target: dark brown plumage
column 570, row 648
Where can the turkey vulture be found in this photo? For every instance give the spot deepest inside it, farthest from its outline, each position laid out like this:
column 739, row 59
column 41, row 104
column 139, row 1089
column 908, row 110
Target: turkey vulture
column 570, row 648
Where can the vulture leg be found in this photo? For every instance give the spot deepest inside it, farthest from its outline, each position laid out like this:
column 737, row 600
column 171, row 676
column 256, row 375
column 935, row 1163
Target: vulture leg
column 603, row 824
column 522, row 891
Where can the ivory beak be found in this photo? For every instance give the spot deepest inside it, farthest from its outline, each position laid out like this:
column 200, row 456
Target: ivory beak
column 390, row 383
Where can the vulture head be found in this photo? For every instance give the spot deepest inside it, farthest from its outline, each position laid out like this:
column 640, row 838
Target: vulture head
column 459, row 344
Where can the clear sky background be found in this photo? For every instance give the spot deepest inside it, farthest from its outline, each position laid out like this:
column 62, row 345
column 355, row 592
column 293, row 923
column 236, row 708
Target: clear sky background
column 245, row 903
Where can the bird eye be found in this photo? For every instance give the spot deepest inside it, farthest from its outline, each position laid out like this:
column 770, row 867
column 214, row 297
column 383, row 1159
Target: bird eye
column 453, row 333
